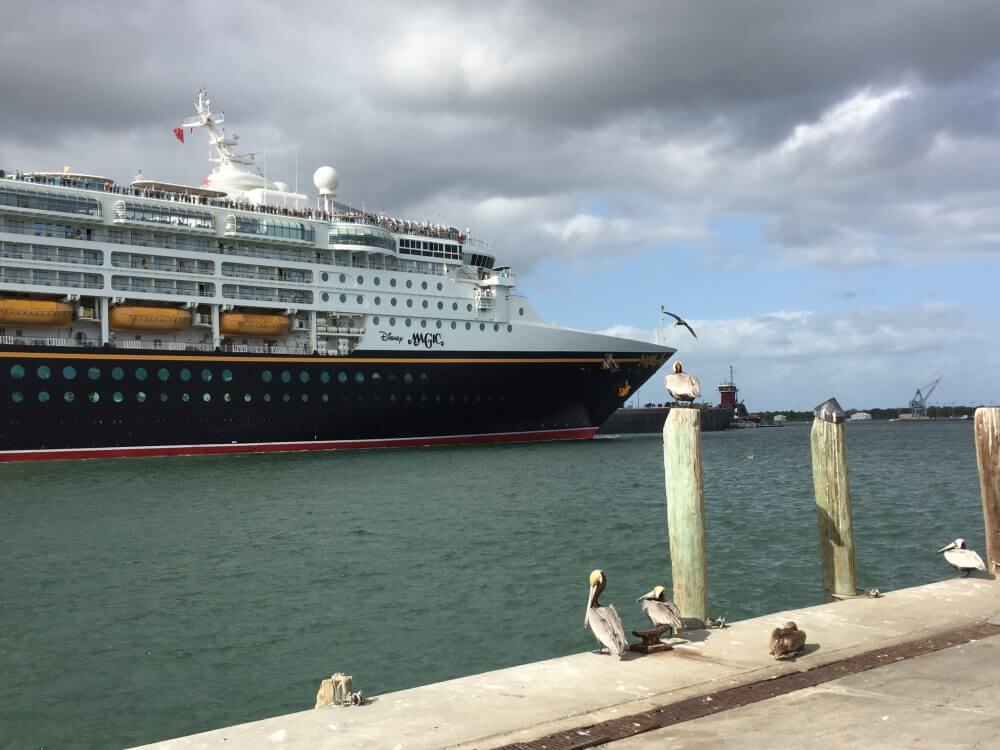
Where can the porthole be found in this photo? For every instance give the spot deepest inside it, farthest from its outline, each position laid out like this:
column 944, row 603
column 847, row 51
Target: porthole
column 510, row 328
column 392, row 377
column 359, row 377
column 304, row 376
column 496, row 327
column 423, row 284
column 185, row 397
column 377, row 281
column 266, row 376
column 185, row 374
column 140, row 373
column 423, row 377
column 140, row 397
column 440, row 286
column 423, row 322
column 267, row 397
column 163, row 374
column 305, row 397
column 247, row 397
column 17, row 397
column 227, row 397
column 361, row 279
column 440, row 305
column 206, row 375
column 407, row 378
column 468, row 326
column 94, row 397
column 409, row 303
column 286, row 376
column 423, row 304
column 324, row 377
column 342, row 377
column 43, row 372
column 69, row 397
column 409, row 322
column 361, row 300
column 392, row 282
column 520, row 311
column 438, row 324
column 376, row 377
column 482, row 326
column 163, row 398
column 206, row 397
column 118, row 373
column 227, row 375
column 392, row 321
column 326, row 397
column 285, row 397
column 392, row 397
column 454, row 306
column 392, row 301
column 17, row 371
column 325, row 276
column 69, row 372
column 343, row 298
column 118, row 397
column 468, row 308
column 437, row 398
column 409, row 284
column 343, row 278
column 325, row 296
column 375, row 320
column 93, row 373
column 378, row 300
column 454, row 325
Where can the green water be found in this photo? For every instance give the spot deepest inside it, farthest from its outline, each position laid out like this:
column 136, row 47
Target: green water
column 145, row 599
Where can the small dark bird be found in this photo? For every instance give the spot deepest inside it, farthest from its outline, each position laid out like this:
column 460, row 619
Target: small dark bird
column 961, row 558
column 683, row 386
column 788, row 640
column 680, row 321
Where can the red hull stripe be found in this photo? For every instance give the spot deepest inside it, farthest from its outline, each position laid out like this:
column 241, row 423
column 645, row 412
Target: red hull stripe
column 581, row 433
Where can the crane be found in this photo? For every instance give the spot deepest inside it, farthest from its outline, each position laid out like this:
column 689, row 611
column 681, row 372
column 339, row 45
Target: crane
column 918, row 404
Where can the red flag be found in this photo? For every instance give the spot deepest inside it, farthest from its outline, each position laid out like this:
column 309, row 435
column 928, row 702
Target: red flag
column 179, row 134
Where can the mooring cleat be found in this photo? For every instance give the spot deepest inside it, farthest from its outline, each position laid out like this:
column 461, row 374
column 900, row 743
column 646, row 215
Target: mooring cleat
column 651, row 642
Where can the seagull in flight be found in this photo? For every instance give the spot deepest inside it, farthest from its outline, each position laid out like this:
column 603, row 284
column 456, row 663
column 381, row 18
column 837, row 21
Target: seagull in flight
column 680, row 321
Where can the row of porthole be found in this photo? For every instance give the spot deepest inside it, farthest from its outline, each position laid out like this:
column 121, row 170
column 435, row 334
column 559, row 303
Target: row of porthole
column 393, row 302
column 378, row 281
column 118, row 397
column 359, row 377
column 408, row 322
column 44, row 372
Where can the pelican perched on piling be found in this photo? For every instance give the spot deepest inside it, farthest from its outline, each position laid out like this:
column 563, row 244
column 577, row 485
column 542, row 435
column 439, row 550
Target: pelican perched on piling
column 683, row 386
column 604, row 621
column 660, row 610
column 961, row 558
column 787, row 640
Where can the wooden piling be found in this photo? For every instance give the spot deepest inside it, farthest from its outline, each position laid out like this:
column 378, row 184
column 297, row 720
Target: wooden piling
column 686, row 513
column 987, row 423
column 833, row 501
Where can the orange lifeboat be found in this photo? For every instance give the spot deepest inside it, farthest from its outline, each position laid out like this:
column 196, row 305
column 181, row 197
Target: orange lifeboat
column 154, row 319
column 249, row 324
column 35, row 312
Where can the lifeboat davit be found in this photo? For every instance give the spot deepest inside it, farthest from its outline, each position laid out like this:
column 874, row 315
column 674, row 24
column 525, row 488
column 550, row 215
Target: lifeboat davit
column 250, row 324
column 35, row 312
column 156, row 319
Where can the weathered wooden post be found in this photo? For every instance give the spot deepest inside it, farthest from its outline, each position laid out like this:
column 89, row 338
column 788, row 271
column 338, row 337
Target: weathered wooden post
column 833, row 500
column 988, row 458
column 686, row 513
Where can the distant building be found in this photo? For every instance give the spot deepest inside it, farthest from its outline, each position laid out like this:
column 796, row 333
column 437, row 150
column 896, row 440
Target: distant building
column 861, row 416
column 780, row 419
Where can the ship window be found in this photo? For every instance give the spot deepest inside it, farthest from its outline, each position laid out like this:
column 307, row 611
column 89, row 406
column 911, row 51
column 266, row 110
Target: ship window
column 326, row 397
column 378, row 300
column 266, row 376
column 305, row 397
column 409, row 322
column 43, row 396
column 361, row 280
column 392, row 397
column 185, row 374
column 304, row 376
column 267, row 397
column 69, row 372
column 324, row 377
column 325, row 276
column 93, row 373
column 424, row 304
column 409, row 284
column 343, row 298
column 468, row 326
column 392, row 282
column 392, row 321
column 94, row 397
column 247, row 397
column 326, row 297
column 375, row 319
column 206, row 375
column 407, row 378
column 285, row 397
column 438, row 324
column 185, row 397
column 376, row 377
column 423, row 284
column 423, row 322
column 454, row 306
column 163, row 374
column 520, row 311
column 17, row 397
column 482, row 326
column 286, row 376
column 342, row 377
column 227, row 375
column 43, row 372
column 360, row 299
column 510, row 328
column 393, row 302
column 377, row 281
column 278, row 228
column 140, row 373
column 118, row 397
column 496, row 327
column 440, row 286
column 118, row 373
column 17, row 371
column 392, row 377
column 454, row 325
column 468, row 308
column 359, row 377
column 206, row 397
column 128, row 211
column 140, row 397
column 163, row 397
column 423, row 377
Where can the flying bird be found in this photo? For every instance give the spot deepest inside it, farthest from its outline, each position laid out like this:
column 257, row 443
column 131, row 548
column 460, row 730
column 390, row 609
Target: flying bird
column 680, row 321
column 604, row 621
column 961, row 558
column 787, row 640
column 683, row 386
column 660, row 610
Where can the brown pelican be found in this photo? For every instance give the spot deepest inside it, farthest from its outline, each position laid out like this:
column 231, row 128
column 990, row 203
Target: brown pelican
column 961, row 558
column 682, row 385
column 660, row 610
column 787, row 640
column 604, row 621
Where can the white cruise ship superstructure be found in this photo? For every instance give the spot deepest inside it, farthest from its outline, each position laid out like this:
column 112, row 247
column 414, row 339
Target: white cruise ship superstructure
column 240, row 316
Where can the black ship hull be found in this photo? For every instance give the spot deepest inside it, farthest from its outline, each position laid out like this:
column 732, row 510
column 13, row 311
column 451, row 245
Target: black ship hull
column 88, row 403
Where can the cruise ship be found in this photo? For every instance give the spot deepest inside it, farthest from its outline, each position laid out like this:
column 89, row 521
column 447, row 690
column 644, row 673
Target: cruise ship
column 242, row 316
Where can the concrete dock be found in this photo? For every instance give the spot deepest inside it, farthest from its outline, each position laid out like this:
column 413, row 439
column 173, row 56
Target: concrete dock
column 950, row 696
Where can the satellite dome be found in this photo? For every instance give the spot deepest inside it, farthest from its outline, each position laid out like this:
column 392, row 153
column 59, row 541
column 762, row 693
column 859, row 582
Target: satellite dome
column 281, row 187
column 326, row 180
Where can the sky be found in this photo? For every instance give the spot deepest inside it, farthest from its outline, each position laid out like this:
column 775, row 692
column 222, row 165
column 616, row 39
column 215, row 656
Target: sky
column 814, row 186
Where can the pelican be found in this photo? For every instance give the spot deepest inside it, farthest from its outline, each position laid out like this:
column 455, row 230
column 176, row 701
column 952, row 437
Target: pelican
column 604, row 621
column 660, row 610
column 682, row 385
column 787, row 640
column 961, row 558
